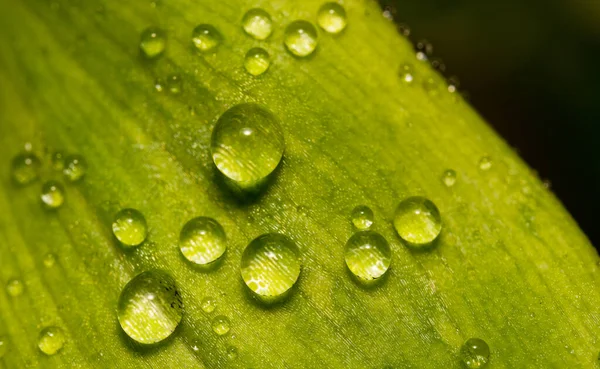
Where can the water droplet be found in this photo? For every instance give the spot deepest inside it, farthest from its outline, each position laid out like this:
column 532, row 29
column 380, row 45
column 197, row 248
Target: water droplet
column 208, row 305
column 407, row 73
column 202, row 241
column 404, row 29
column 3, row 346
column 453, row 84
column 270, row 265
column 129, row 227
column 425, row 47
column 438, row 64
column 206, row 38
column 257, row 23
column 57, row 161
column 49, row 260
column 368, row 255
column 220, row 325
column 301, row 38
column 449, row 178
column 417, row 221
column 332, row 17
column 362, row 217
column 75, row 167
column 53, row 195
column 432, row 86
column 153, row 42
column 232, row 353
column 485, row 163
column 475, row 353
column 25, row 168
column 51, row 340
column 150, row 307
column 257, row 61
column 247, row 144
column 174, row 84
column 15, row 287
column 159, row 85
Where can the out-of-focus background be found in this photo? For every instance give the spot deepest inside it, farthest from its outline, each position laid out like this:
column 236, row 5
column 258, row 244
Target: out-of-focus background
column 532, row 70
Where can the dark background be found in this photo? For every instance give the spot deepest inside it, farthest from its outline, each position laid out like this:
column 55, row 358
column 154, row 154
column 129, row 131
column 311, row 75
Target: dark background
column 532, row 70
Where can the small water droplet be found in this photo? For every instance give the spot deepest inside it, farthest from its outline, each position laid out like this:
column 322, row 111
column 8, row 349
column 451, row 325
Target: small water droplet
column 417, row 221
column 174, row 84
column 52, row 195
column 49, row 260
column 449, row 178
column 438, row 64
column 475, row 353
column 404, row 29
column 485, row 163
column 57, row 161
column 3, row 346
column 270, row 265
column 425, row 47
column 51, row 340
column 362, row 217
column 195, row 346
column 332, row 17
column 159, row 85
column 150, row 307
column 208, row 305
column 206, row 38
column 257, row 61
column 220, row 325
column 25, row 168
column 257, row 23
column 368, row 255
column 202, row 241
column 232, row 353
column 453, row 84
column 75, row 167
column 153, row 42
column 129, row 227
column 247, row 144
column 432, row 86
column 301, row 38
column 15, row 287
column 407, row 73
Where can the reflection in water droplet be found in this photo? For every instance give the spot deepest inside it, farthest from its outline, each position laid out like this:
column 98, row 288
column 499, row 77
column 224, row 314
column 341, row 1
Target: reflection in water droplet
column 150, row 307
column 485, row 163
column 475, row 353
column 25, row 168
column 220, row 325
column 129, row 227
column 52, row 195
column 75, row 167
column 51, row 340
column 368, row 255
column 202, row 241
column 15, row 287
column 206, row 38
column 153, row 42
column 257, row 61
column 208, row 305
column 301, row 38
column 449, row 178
column 362, row 217
column 270, row 265
column 257, row 23
column 417, row 221
column 332, row 17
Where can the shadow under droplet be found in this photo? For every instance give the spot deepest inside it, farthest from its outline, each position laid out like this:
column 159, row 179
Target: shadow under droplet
column 245, row 193
column 368, row 284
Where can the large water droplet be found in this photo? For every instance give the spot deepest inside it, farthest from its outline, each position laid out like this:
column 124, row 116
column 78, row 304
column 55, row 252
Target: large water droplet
column 257, row 61
column 52, row 195
column 257, row 23
column 417, row 221
column 129, row 227
column 202, row 241
column 475, row 353
column 75, row 167
column 247, row 144
column 362, row 217
column 449, row 178
column 153, row 42
column 368, row 255
column 15, row 287
column 208, row 305
column 3, row 346
column 25, row 168
column 51, row 340
column 270, row 265
column 220, row 325
column 301, row 38
column 485, row 163
column 206, row 38
column 332, row 17
column 150, row 307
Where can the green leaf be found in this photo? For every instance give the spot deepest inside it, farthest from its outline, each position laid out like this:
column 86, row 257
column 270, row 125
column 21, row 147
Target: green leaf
column 510, row 267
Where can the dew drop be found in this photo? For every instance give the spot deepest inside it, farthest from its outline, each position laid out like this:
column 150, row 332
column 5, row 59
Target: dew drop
column 425, row 47
column 232, row 353
column 150, row 307
column 368, row 255
column 153, row 42
column 301, row 38
column 174, row 84
column 257, row 23
column 270, row 265
column 220, row 325
column 51, row 340
column 15, row 287
column 257, row 61
column 25, row 168
column 3, row 346
column 438, row 64
column 202, row 241
column 208, row 305
column 53, row 195
column 57, row 161
column 75, row 167
column 417, row 221
column 404, row 29
column 332, row 17
column 362, row 217
column 485, row 163
column 206, row 38
column 453, row 84
column 247, row 144
column 49, row 260
column 159, row 85
column 129, row 227
column 407, row 73
column 449, row 178
column 475, row 353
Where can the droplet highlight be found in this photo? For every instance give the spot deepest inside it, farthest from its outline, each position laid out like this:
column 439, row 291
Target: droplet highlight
column 257, row 61
column 206, row 38
column 332, row 17
column 150, row 307
column 3, row 346
column 220, row 325
column 407, row 73
column 301, row 38
column 174, row 84
column 368, row 255
column 257, row 23
column 417, row 221
column 475, row 353
column 51, row 340
column 52, row 195
column 202, row 241
column 75, row 167
column 362, row 217
column 129, row 227
column 25, row 168
column 14, row 287
column 449, row 178
column 153, row 42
